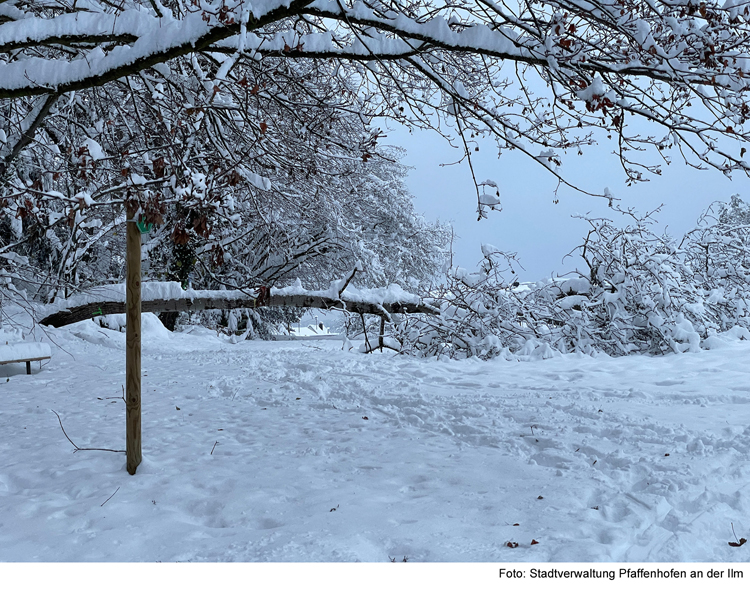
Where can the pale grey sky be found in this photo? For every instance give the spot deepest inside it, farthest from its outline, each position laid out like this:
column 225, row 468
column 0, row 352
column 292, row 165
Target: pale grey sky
column 540, row 231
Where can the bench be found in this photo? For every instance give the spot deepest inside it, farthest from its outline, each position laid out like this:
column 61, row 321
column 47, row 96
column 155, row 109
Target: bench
column 24, row 353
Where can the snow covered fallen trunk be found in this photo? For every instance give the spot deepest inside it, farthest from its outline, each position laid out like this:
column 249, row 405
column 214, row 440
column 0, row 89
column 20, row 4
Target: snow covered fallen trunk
column 170, row 297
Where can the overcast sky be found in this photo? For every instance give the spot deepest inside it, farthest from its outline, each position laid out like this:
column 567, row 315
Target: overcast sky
column 540, row 231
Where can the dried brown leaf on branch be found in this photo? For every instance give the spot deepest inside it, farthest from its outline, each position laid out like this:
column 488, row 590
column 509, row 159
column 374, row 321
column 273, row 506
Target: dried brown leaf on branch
column 180, row 235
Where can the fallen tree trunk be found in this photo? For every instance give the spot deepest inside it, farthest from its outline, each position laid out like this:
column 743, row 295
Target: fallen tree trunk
column 229, row 300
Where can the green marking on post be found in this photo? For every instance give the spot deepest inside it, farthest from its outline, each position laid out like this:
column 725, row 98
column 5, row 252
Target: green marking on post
column 144, row 227
column 99, row 312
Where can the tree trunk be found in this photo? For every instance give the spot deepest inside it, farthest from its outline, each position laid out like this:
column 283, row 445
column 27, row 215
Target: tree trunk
column 230, row 300
column 133, row 344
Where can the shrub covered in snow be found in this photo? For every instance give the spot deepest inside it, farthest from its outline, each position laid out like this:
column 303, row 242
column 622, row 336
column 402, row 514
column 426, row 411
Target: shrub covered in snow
column 481, row 313
column 632, row 295
column 635, row 292
column 718, row 253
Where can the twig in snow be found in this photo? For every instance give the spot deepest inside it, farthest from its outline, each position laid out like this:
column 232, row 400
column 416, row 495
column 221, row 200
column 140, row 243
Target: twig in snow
column 110, row 496
column 83, row 448
column 213, row 448
column 113, row 397
column 63, row 430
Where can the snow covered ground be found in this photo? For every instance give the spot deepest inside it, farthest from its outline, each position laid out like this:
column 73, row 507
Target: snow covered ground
column 299, row 451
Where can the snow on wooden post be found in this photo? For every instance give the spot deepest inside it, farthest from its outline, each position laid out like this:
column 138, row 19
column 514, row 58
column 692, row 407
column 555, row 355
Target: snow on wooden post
column 133, row 342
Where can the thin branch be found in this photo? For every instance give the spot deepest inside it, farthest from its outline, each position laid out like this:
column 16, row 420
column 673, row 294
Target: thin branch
column 346, row 283
column 28, row 134
column 84, row 448
column 110, row 496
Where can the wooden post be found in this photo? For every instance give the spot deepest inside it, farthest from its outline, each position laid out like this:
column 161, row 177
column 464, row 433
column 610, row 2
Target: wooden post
column 133, row 343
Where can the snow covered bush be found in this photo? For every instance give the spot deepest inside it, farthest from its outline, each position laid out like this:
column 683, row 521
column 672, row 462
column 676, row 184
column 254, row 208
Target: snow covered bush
column 481, row 313
column 636, row 292
column 718, row 253
column 240, row 323
column 632, row 296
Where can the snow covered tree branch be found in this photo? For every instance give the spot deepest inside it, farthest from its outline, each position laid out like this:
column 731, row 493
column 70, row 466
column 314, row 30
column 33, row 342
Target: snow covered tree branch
column 680, row 66
column 108, row 42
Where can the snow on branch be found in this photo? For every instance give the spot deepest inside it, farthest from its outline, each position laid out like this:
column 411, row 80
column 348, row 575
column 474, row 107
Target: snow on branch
column 140, row 41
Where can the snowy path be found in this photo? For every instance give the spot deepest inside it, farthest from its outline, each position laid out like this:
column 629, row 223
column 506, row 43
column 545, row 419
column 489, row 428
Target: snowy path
column 637, row 459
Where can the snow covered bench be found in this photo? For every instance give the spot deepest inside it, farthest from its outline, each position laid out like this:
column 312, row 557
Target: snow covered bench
column 24, row 353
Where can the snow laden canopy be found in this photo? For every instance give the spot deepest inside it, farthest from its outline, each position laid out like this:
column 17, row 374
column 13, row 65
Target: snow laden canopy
column 681, row 65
